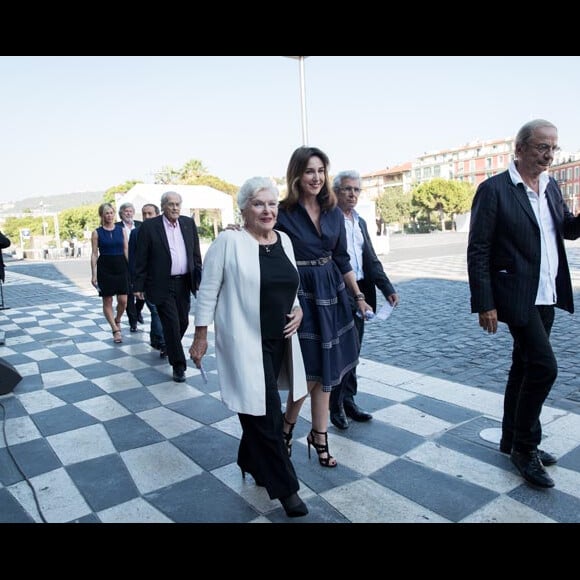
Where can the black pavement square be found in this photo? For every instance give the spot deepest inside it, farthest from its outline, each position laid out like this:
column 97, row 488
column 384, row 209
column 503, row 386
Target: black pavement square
column 210, row 448
column 131, row 432
column 62, row 419
column 204, row 409
column 443, row 494
column 35, row 457
column 202, row 499
column 446, row 411
column 11, row 512
column 104, row 482
column 136, row 400
column 75, row 392
column 557, row 505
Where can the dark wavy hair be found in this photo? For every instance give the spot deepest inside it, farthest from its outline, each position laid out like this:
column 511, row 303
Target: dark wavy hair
column 296, row 168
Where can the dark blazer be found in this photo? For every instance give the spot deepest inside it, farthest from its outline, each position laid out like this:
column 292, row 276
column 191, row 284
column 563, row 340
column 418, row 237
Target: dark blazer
column 4, row 243
column 153, row 258
column 503, row 251
column 132, row 245
column 373, row 271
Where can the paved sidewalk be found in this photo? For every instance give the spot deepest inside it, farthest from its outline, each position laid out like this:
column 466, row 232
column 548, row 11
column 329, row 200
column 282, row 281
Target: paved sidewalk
column 101, row 433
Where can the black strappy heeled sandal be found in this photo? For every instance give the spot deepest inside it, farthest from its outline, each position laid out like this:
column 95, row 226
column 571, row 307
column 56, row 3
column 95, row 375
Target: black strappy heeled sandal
column 288, row 436
column 320, row 448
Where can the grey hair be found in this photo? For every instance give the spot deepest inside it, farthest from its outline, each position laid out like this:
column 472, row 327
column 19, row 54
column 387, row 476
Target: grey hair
column 252, row 187
column 125, row 206
column 340, row 177
column 526, row 132
column 165, row 195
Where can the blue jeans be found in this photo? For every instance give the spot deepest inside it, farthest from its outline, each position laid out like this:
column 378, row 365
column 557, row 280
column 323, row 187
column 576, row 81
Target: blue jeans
column 156, row 332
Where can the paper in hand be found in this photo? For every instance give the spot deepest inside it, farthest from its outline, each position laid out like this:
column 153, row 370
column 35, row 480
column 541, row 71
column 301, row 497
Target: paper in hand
column 385, row 311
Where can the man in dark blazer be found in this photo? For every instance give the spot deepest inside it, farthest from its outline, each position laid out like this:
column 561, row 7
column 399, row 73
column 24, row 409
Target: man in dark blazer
column 156, row 339
column 134, row 305
column 518, row 273
column 370, row 275
column 167, row 271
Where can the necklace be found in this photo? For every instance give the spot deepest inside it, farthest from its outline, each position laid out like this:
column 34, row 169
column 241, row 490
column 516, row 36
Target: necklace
column 266, row 247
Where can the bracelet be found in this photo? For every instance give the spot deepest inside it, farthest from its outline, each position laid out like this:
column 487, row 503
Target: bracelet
column 359, row 297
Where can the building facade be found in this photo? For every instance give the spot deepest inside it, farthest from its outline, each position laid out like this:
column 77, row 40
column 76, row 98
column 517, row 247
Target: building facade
column 473, row 162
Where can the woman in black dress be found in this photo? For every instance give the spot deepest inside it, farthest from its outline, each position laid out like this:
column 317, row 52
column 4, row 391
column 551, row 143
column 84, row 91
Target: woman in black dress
column 109, row 267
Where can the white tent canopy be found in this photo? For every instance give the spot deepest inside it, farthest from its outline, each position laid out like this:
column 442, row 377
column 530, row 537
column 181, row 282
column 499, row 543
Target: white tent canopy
column 194, row 197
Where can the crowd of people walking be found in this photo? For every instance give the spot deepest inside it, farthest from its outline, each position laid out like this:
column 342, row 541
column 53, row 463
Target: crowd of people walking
column 289, row 290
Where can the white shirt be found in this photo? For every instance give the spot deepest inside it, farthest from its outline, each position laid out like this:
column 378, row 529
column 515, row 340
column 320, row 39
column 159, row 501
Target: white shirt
column 549, row 249
column 354, row 242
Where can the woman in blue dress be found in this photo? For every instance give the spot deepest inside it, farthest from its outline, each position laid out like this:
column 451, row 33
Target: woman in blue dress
column 328, row 337
column 109, row 267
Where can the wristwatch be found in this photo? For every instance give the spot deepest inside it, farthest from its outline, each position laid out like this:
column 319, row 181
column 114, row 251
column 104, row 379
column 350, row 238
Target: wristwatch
column 360, row 296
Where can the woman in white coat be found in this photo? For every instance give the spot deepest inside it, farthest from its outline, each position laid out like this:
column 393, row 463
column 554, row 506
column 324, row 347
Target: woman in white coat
column 249, row 291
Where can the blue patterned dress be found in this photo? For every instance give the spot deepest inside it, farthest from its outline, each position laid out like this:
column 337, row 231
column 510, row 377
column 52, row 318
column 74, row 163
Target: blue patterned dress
column 328, row 337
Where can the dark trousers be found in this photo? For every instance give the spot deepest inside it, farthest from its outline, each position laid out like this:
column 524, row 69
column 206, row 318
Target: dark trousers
column 532, row 374
column 262, row 451
column 134, row 308
column 156, row 330
column 345, row 393
column 174, row 316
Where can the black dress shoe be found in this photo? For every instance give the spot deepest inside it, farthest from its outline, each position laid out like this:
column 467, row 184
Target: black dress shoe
column 162, row 352
column 355, row 413
column 140, row 319
column 338, row 419
column 531, row 468
column 178, row 375
column 546, row 458
column 133, row 328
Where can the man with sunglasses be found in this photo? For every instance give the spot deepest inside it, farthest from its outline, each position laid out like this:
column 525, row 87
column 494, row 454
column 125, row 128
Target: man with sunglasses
column 518, row 273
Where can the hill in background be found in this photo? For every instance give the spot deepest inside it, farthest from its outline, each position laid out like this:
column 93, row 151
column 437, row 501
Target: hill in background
column 52, row 203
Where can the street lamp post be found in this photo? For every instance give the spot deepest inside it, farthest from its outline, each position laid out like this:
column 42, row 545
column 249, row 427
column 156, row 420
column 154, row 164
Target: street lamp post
column 44, row 224
column 302, row 99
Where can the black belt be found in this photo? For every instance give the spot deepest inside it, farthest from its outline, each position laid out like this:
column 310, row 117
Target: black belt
column 317, row 262
column 178, row 277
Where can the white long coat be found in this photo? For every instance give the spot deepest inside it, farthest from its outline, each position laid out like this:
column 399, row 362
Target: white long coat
column 229, row 296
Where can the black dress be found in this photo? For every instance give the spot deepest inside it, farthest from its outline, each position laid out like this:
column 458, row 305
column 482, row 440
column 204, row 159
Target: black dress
column 112, row 268
column 262, row 451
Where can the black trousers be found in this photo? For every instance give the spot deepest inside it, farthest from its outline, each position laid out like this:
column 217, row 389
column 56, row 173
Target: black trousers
column 174, row 316
column 345, row 393
column 533, row 372
column 262, row 451
column 134, row 308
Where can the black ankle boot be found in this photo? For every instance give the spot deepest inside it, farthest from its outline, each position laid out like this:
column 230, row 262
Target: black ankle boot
column 294, row 506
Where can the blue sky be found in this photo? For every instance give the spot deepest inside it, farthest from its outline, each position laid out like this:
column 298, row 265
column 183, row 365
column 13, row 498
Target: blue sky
column 86, row 123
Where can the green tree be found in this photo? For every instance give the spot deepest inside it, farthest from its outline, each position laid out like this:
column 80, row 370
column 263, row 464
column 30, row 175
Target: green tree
column 12, row 226
column 75, row 221
column 167, row 175
column 393, row 206
column 444, row 196
column 191, row 172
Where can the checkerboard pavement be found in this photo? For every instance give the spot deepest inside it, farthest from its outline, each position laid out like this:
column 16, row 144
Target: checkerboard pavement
column 101, row 433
